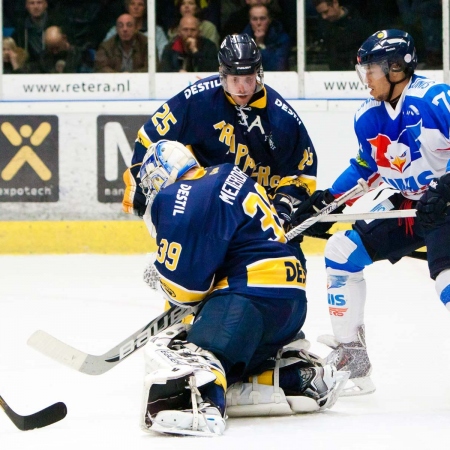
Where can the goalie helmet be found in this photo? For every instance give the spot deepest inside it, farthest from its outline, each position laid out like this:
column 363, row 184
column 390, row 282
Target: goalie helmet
column 239, row 55
column 387, row 48
column 164, row 162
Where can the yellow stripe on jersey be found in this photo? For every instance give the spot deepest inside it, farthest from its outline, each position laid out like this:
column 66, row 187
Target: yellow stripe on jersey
column 181, row 295
column 276, row 273
column 222, row 284
column 143, row 138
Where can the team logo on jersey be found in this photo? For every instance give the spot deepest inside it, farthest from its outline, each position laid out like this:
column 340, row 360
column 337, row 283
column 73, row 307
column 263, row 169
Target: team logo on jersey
column 400, row 153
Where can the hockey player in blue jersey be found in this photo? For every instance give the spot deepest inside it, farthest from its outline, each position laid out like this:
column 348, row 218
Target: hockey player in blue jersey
column 403, row 136
column 234, row 117
column 220, row 243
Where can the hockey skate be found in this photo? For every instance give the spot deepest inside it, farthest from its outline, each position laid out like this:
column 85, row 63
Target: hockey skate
column 351, row 357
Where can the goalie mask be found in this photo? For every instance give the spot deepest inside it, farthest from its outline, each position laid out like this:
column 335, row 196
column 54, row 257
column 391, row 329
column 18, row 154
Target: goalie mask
column 164, row 162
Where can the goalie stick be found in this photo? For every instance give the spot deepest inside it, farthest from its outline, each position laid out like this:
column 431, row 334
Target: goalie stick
column 51, row 414
column 99, row 364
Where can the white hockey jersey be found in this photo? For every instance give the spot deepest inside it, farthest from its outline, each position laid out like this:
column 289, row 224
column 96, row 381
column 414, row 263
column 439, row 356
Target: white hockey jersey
column 406, row 147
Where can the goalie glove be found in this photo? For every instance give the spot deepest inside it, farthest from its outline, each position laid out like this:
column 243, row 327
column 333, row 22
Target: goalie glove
column 432, row 206
column 134, row 200
column 316, row 202
column 151, row 275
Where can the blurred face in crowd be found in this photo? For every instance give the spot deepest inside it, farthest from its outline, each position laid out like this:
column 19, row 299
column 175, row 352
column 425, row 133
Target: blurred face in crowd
column 188, row 8
column 55, row 41
column 7, row 49
column 259, row 20
column 136, row 8
column 36, row 8
column 126, row 27
column 241, row 88
column 189, row 28
column 330, row 12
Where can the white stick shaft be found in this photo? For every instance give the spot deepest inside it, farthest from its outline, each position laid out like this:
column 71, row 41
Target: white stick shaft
column 395, row 214
column 360, row 188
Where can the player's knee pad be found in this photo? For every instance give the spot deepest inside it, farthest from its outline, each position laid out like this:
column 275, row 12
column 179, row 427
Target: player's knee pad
column 263, row 395
column 345, row 251
column 442, row 286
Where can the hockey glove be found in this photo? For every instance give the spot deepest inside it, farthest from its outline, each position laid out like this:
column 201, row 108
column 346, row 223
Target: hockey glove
column 134, row 200
column 432, row 206
column 317, row 201
column 283, row 207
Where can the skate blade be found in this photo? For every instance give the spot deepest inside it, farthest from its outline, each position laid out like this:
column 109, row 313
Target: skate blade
column 358, row 386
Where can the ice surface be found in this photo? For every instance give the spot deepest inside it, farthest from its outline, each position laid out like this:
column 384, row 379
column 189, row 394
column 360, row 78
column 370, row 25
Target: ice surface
column 92, row 302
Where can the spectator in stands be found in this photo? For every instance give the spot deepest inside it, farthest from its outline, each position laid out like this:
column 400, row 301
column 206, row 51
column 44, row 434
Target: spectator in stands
column 127, row 51
column 84, row 22
column 342, row 33
column 192, row 8
column 138, row 9
column 29, row 32
column 14, row 57
column 59, row 56
column 238, row 19
column 188, row 51
column 270, row 37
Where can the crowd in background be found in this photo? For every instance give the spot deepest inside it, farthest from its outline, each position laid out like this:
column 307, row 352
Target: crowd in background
column 85, row 36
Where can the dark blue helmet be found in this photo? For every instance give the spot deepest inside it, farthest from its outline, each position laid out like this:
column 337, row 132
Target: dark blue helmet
column 393, row 46
column 239, row 55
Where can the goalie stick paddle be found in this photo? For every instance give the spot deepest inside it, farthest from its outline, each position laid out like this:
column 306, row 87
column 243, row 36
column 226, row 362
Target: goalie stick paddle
column 99, row 364
column 51, row 414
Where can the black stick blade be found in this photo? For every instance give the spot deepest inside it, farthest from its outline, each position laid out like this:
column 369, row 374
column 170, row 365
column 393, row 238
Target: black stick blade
column 51, row 414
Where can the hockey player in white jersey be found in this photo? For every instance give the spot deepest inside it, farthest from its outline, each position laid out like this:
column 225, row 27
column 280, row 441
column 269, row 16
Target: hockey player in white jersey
column 221, row 246
column 403, row 135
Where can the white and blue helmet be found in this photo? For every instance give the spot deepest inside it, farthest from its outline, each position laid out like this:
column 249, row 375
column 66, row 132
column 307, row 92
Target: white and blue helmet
column 164, row 162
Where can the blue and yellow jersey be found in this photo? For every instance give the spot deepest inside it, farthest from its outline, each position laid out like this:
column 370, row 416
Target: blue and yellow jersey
column 219, row 231
column 266, row 139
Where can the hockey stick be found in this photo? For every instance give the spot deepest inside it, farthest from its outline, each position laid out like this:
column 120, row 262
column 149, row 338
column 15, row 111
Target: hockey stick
column 360, row 188
column 99, row 364
column 47, row 416
column 352, row 217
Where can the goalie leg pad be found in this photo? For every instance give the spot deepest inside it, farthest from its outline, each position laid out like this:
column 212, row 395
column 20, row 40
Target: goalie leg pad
column 263, row 396
column 172, row 402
